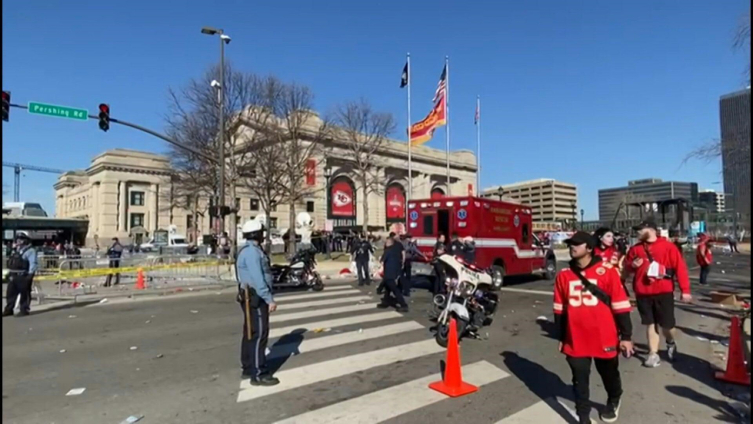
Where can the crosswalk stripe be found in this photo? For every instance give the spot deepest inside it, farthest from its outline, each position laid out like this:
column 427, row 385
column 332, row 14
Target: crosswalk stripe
column 546, row 411
column 332, row 323
column 380, row 406
column 338, row 367
column 319, row 312
column 325, row 302
column 527, row 291
column 325, row 293
column 319, row 343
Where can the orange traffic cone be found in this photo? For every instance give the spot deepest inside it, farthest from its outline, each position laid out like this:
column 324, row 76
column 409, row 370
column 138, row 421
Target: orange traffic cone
column 453, row 384
column 736, row 372
column 140, row 279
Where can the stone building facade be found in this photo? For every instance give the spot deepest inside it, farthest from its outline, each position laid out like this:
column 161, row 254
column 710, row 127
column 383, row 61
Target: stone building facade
column 127, row 193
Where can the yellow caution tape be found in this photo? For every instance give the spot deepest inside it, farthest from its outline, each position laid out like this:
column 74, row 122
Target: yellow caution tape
column 98, row 272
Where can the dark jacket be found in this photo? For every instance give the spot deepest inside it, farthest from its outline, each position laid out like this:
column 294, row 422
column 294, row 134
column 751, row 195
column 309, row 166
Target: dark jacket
column 393, row 262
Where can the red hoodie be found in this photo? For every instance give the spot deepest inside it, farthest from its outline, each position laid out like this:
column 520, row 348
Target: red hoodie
column 666, row 254
column 703, row 253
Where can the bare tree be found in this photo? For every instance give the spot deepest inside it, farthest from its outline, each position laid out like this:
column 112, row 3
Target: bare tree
column 742, row 39
column 301, row 138
column 193, row 119
column 365, row 133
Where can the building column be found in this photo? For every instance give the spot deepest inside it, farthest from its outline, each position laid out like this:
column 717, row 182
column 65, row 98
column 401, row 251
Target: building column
column 153, row 207
column 123, row 207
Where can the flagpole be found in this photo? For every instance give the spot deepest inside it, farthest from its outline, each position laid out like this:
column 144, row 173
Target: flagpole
column 478, row 145
column 447, row 117
column 410, row 144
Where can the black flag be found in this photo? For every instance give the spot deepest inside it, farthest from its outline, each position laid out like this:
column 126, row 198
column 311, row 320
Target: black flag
column 404, row 77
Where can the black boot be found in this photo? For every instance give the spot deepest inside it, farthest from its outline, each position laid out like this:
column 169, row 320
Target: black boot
column 7, row 312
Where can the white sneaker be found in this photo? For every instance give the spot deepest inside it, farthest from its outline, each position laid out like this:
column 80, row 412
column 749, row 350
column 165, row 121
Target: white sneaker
column 652, row 361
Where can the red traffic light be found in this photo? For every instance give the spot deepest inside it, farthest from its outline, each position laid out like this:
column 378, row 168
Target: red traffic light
column 6, row 96
column 104, row 108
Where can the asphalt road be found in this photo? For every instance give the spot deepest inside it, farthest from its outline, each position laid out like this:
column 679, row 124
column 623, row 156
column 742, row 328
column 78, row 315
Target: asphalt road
column 350, row 363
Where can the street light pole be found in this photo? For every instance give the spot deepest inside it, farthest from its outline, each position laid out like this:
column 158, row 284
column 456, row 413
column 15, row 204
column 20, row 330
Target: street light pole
column 224, row 39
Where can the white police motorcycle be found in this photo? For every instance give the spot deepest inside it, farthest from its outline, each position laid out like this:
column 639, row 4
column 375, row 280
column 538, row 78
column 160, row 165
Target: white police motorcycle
column 469, row 300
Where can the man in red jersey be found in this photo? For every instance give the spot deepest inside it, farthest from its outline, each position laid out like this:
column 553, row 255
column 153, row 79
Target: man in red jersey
column 703, row 257
column 592, row 312
column 656, row 263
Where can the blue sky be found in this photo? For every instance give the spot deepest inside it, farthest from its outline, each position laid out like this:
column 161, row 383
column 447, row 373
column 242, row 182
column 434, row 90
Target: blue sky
column 589, row 92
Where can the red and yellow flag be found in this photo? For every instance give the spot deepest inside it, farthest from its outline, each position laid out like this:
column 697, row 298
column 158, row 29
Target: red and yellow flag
column 422, row 131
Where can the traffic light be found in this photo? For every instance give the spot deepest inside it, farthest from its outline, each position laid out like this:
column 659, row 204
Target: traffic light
column 6, row 105
column 104, row 117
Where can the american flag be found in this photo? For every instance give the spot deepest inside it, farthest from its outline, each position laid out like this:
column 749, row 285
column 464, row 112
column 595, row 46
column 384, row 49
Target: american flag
column 442, row 86
column 478, row 113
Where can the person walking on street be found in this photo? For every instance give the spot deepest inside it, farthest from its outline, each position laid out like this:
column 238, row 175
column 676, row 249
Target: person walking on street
column 592, row 314
column 732, row 240
column 605, row 248
column 469, row 250
column 411, row 254
column 255, row 297
column 114, row 252
column 392, row 263
column 362, row 251
column 703, row 257
column 655, row 263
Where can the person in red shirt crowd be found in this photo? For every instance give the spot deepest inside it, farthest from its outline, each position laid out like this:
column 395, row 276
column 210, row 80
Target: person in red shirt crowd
column 704, row 257
column 592, row 313
column 606, row 248
column 655, row 263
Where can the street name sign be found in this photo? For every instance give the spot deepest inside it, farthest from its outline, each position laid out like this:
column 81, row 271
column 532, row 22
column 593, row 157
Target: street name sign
column 58, row 111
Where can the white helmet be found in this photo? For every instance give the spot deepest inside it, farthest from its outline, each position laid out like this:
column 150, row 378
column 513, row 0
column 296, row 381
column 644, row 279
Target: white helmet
column 251, row 226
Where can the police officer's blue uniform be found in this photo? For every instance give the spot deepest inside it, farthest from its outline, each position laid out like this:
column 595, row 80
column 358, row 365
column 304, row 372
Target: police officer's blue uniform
column 393, row 267
column 363, row 251
column 22, row 265
column 255, row 295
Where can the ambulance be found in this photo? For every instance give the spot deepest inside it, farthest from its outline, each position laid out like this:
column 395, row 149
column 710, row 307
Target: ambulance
column 501, row 230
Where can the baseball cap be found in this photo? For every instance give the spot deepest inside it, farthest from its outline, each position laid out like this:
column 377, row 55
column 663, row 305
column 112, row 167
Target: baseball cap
column 581, row 237
column 648, row 223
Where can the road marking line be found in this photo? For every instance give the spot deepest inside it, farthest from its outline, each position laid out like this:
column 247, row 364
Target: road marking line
column 324, row 302
column 381, row 405
column 310, row 345
column 319, row 312
column 541, row 292
column 340, row 322
column 331, row 292
column 339, row 367
column 545, row 411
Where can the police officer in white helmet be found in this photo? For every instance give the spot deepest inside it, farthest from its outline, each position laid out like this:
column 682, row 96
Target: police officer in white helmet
column 255, row 296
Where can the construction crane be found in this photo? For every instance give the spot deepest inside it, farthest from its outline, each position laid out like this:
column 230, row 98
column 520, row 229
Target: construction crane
column 17, row 168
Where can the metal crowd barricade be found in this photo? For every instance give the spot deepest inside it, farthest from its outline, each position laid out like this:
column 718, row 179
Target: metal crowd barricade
column 84, row 276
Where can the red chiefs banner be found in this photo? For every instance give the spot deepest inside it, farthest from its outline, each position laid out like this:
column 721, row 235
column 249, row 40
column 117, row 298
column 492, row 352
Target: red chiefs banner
column 437, row 193
column 470, row 189
column 342, row 199
column 311, row 172
column 423, row 131
column 395, row 203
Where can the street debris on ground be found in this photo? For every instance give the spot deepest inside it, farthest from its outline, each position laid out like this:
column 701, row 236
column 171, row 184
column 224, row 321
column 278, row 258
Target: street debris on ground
column 76, row 392
column 134, row 347
column 132, row 419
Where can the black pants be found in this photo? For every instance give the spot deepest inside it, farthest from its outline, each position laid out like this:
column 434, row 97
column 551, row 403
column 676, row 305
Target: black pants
column 405, row 279
column 439, row 283
column 733, row 246
column 108, row 280
column 705, row 274
column 255, row 338
column 19, row 285
column 392, row 289
column 362, row 269
column 609, row 371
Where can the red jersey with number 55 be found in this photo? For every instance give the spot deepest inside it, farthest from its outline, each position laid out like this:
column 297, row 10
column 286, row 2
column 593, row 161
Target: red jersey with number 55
column 590, row 329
